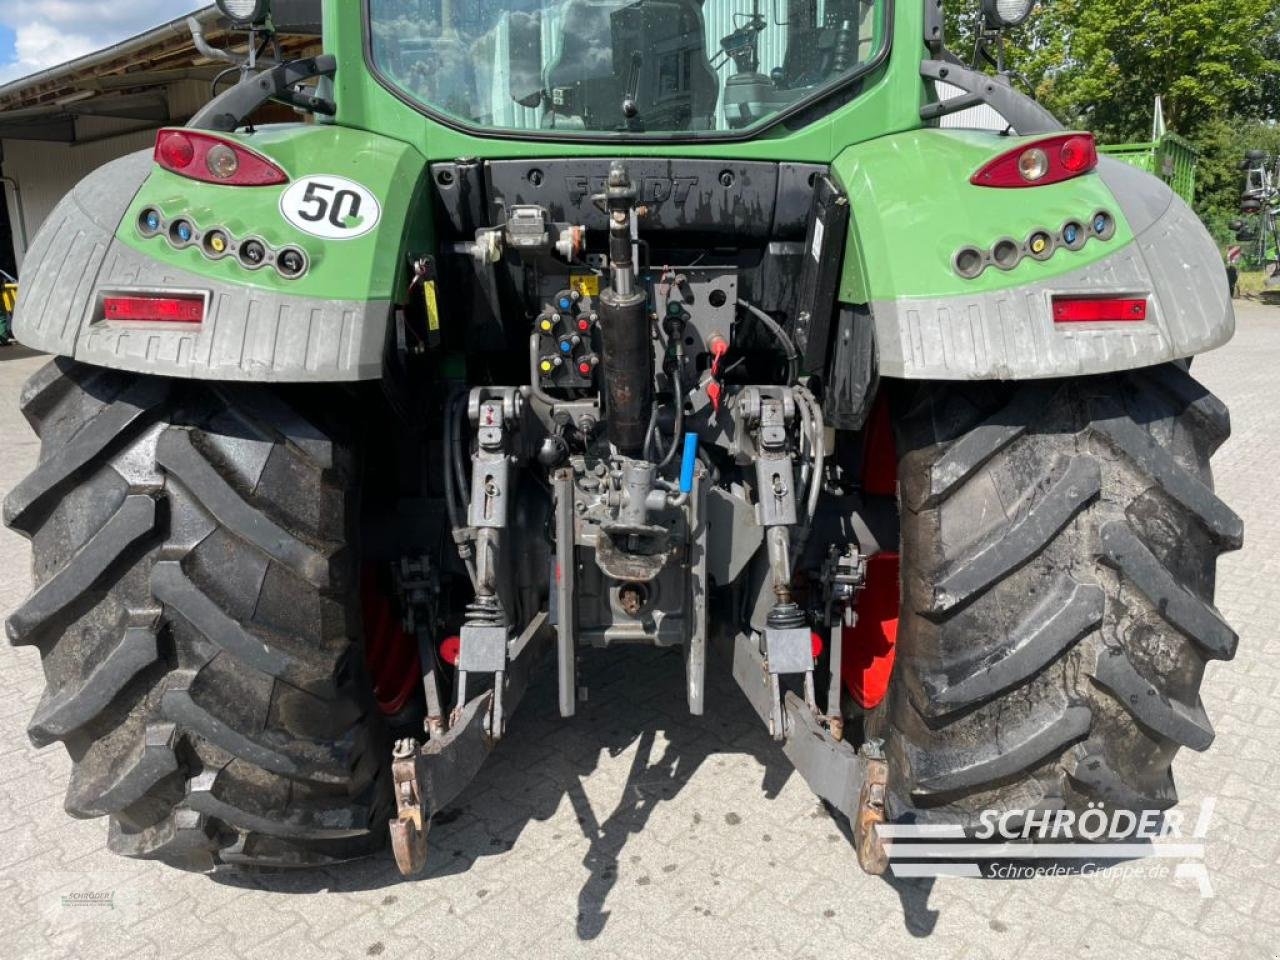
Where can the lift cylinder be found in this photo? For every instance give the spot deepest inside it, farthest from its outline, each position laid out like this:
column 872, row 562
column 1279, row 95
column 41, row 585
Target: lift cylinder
column 627, row 361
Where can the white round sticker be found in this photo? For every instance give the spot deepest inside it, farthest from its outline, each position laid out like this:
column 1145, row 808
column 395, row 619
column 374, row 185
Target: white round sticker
column 333, row 208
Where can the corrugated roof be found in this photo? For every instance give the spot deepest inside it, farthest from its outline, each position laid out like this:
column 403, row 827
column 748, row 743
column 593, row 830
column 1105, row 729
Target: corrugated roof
column 130, row 80
column 166, row 35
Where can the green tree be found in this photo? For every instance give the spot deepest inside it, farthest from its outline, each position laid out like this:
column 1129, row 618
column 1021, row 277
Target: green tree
column 1100, row 64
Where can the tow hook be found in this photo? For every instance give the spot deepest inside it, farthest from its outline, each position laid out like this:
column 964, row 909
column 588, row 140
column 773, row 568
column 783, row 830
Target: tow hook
column 409, row 829
column 872, row 856
column 428, row 777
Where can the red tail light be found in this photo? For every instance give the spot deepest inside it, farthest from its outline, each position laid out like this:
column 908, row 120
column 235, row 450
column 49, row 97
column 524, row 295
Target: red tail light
column 155, row 309
column 1051, row 160
column 202, row 156
column 1099, row 310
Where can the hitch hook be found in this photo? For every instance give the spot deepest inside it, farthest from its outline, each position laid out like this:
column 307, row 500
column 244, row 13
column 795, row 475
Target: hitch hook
column 409, row 829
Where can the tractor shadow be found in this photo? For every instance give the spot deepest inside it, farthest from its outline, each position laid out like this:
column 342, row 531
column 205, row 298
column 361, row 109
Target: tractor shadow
column 636, row 706
column 16, row 351
column 635, row 695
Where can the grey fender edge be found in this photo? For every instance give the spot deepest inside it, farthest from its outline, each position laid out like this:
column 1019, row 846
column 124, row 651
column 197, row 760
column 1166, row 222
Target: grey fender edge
column 248, row 333
column 1010, row 334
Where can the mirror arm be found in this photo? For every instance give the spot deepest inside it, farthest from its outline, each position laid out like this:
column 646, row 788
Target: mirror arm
column 229, row 110
column 1022, row 113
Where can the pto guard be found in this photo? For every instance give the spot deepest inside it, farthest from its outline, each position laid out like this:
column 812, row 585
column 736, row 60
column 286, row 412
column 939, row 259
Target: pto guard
column 914, row 208
column 329, row 325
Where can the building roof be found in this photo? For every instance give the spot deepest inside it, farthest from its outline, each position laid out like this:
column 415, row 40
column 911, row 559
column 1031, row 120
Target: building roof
column 128, row 81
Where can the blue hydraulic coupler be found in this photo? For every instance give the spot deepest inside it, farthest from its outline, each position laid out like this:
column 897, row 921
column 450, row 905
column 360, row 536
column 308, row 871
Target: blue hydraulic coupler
column 686, row 465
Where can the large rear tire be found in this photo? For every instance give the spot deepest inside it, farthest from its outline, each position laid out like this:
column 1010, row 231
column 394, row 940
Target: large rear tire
column 195, row 606
column 1059, row 541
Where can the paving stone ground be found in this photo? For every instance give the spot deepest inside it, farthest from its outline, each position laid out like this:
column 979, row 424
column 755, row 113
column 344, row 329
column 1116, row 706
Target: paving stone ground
column 638, row 832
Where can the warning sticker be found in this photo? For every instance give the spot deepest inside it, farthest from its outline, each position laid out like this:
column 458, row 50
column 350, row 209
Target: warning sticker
column 819, row 235
column 587, row 284
column 433, row 308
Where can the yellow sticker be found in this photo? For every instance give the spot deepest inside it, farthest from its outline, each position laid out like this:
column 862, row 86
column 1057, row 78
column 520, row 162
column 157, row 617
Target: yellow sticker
column 587, row 284
column 433, row 309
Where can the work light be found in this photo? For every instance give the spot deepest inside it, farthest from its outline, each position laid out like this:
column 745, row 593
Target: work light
column 1006, row 13
column 245, row 11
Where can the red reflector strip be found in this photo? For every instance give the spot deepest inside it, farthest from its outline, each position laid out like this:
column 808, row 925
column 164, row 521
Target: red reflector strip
column 1109, row 310
column 154, row 309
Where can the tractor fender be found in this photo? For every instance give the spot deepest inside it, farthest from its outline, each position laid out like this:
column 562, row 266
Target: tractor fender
column 329, row 325
column 914, row 208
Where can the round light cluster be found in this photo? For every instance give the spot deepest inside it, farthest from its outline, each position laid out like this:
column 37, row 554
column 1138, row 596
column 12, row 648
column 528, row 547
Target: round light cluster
column 216, row 243
column 1041, row 244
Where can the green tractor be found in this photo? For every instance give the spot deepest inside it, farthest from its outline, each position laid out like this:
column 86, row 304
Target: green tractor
column 568, row 324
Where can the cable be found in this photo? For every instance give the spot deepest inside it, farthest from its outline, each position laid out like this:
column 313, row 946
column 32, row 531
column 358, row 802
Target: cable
column 678, row 388
column 793, row 356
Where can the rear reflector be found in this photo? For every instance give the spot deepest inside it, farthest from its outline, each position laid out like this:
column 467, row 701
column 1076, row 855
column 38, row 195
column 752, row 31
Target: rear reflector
column 154, row 309
column 1099, row 310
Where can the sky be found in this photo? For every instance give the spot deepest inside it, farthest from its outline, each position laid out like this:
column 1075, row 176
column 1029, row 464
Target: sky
column 36, row 34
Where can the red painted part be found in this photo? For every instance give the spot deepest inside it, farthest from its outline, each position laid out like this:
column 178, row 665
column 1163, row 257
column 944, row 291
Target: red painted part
column 870, row 645
column 880, row 453
column 451, row 650
column 868, row 648
column 390, row 654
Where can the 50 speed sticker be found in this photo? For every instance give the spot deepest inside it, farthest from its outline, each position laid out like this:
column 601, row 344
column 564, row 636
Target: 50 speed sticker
column 333, row 208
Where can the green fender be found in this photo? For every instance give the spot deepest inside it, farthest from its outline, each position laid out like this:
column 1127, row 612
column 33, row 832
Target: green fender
column 913, row 208
column 329, row 324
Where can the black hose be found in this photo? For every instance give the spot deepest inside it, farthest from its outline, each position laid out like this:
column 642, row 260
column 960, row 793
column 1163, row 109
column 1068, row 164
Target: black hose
column 450, row 488
column 676, row 443
column 772, row 325
column 459, row 452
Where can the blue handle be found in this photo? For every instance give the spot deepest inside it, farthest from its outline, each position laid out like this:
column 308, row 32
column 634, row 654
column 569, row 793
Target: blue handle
column 686, row 465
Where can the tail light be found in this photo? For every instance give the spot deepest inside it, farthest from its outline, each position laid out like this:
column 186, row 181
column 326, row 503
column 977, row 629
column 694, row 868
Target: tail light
column 1099, row 309
column 181, row 309
column 201, row 156
column 1051, row 160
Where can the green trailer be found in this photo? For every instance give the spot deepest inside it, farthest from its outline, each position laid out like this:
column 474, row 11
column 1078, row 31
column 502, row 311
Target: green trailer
column 1170, row 157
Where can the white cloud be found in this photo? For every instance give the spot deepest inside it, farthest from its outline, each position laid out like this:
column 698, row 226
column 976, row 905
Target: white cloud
column 50, row 32
column 40, row 45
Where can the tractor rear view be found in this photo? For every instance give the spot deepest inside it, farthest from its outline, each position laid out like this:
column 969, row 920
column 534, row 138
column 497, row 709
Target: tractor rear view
column 585, row 323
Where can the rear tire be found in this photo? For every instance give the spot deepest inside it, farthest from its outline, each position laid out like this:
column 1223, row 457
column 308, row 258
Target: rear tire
column 195, row 606
column 1059, row 541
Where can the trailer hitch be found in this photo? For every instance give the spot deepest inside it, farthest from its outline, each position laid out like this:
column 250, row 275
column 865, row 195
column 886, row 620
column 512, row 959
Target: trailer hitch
column 428, row 777
column 852, row 781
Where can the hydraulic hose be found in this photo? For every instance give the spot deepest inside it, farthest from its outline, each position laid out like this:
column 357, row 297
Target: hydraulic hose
column 452, row 472
column 788, row 347
column 819, row 429
column 677, row 436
